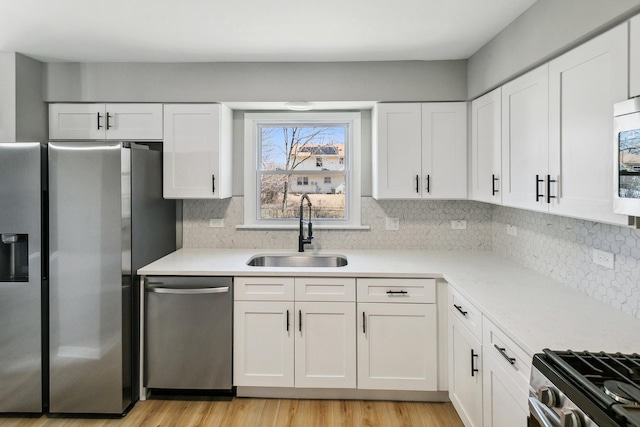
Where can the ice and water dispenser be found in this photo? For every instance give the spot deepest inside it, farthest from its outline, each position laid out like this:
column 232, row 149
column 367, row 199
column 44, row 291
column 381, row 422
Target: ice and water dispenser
column 14, row 257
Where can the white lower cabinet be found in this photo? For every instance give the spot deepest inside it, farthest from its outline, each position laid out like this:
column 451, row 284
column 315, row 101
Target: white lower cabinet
column 397, row 346
column 465, row 373
column 506, row 370
column 290, row 343
column 397, row 334
column 325, row 345
column 263, row 343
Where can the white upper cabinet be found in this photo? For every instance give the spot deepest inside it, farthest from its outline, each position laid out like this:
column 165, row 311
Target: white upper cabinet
column 197, row 151
column 397, row 151
column 583, row 86
column 132, row 122
column 419, row 151
column 444, row 150
column 486, row 146
column 634, row 58
column 525, row 139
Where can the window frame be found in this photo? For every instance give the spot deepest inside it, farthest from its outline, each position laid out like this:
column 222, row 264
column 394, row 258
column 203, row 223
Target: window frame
column 252, row 121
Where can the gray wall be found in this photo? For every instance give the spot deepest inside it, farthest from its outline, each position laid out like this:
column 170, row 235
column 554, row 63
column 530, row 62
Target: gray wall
column 23, row 114
column 229, row 82
column 547, row 29
column 7, row 97
column 32, row 115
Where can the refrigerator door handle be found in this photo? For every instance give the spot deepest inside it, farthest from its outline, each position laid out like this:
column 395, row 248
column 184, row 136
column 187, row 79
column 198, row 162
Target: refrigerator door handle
column 189, row 291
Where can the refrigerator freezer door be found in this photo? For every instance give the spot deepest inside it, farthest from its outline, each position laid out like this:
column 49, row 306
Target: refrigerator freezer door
column 86, row 259
column 21, row 281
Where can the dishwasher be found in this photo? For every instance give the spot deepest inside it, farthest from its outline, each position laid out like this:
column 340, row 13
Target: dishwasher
column 188, row 333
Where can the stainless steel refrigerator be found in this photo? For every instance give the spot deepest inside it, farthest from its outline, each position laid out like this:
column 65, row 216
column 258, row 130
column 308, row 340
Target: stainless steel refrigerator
column 107, row 219
column 22, row 276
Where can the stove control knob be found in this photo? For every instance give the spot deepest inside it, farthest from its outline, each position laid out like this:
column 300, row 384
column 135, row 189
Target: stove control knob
column 548, row 396
column 570, row 418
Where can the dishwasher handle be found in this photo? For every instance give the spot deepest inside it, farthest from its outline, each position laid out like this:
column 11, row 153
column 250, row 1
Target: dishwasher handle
column 189, row 291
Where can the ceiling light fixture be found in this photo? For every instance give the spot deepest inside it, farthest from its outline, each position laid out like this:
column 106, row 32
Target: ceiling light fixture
column 299, row 105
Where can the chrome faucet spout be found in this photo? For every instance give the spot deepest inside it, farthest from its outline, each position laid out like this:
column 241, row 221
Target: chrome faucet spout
column 301, row 239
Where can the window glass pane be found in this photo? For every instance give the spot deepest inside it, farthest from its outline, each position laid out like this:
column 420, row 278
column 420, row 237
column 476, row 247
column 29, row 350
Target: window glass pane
column 302, row 147
column 280, row 195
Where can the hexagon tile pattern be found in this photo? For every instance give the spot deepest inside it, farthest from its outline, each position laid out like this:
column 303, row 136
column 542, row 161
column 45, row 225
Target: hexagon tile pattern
column 562, row 248
column 424, row 224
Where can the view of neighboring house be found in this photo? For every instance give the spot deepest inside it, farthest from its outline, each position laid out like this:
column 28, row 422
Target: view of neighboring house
column 327, row 158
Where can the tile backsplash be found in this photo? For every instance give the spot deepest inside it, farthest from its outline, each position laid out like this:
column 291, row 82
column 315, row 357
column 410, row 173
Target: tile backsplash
column 562, row 248
column 559, row 247
column 424, row 224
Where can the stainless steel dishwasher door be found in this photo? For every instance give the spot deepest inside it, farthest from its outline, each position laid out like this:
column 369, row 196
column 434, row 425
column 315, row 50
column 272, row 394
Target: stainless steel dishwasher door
column 189, row 333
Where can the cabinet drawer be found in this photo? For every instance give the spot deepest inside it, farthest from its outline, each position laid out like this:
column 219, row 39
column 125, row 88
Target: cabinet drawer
column 515, row 361
column 325, row 289
column 263, row 288
column 397, row 290
column 468, row 315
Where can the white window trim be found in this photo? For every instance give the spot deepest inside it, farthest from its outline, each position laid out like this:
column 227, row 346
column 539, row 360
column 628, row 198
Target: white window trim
column 251, row 121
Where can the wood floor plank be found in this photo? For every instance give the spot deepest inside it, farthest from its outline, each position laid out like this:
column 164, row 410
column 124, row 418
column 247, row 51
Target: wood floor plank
column 248, row 412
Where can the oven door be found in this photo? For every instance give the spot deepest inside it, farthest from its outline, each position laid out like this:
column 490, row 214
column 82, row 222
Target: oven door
column 626, row 180
column 540, row 415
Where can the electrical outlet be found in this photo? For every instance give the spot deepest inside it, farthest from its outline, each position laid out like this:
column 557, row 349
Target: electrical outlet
column 458, row 224
column 512, row 230
column 392, row 224
column 603, row 258
column 216, row 223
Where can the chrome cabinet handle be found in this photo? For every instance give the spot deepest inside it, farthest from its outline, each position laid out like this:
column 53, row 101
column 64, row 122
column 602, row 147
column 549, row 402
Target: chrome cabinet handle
column 109, row 116
column 188, row 291
column 459, row 308
column 501, row 350
column 401, row 292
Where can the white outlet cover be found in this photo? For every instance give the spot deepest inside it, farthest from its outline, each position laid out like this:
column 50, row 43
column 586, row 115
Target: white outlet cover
column 216, row 222
column 605, row 259
column 392, row 224
column 458, row 224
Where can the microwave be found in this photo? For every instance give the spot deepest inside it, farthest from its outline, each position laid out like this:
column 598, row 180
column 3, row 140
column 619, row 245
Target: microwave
column 626, row 180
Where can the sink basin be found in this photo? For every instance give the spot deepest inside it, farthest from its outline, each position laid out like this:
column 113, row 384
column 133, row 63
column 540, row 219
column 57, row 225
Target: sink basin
column 297, row 261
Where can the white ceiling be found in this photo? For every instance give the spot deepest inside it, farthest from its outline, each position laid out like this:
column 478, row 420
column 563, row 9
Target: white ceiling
column 251, row 30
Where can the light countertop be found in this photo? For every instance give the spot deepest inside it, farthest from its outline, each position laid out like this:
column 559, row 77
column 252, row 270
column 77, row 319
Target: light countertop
column 534, row 310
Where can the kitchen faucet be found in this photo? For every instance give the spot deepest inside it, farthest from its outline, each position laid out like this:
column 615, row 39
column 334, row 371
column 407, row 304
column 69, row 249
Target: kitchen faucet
column 301, row 239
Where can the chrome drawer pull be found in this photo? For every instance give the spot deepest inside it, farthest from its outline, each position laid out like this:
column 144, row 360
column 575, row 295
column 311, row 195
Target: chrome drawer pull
column 501, row 350
column 391, row 293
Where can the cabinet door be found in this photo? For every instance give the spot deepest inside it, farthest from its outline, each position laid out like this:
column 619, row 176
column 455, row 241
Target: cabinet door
column 465, row 373
column 325, row 345
column 504, row 402
column 263, row 344
column 634, row 58
column 197, row 151
column 444, row 150
column 397, row 151
column 397, row 346
column 486, row 146
column 77, row 121
column 133, row 122
column 525, row 139
column 583, row 86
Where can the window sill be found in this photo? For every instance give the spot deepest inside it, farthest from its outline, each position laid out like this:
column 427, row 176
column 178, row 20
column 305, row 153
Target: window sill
column 296, row 227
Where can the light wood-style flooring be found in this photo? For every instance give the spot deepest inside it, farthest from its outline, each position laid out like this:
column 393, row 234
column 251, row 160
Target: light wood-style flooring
column 245, row 412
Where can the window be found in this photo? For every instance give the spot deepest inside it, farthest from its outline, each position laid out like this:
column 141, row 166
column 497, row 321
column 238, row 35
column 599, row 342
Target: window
column 290, row 154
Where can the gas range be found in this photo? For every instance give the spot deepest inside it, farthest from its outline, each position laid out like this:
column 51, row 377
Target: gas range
column 585, row 389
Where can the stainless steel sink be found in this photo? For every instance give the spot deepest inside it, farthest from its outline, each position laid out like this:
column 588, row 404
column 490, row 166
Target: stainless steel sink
column 285, row 260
